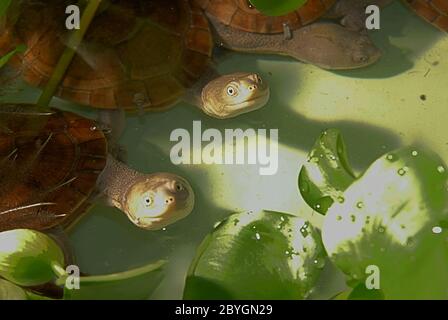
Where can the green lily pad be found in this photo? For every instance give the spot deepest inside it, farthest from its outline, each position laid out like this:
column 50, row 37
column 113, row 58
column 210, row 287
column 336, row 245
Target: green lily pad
column 277, row 7
column 326, row 174
column 4, row 60
column 136, row 284
column 9, row 291
column 28, row 257
column 257, row 255
column 360, row 292
column 392, row 219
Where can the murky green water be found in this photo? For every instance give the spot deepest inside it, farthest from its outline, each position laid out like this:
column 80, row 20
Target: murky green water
column 401, row 100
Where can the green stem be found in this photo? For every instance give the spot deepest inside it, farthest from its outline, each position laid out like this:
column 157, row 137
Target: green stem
column 58, row 269
column 68, row 54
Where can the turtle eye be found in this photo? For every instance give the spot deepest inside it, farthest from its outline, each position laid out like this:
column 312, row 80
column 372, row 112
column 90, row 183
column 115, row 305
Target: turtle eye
column 231, row 91
column 259, row 80
column 147, row 201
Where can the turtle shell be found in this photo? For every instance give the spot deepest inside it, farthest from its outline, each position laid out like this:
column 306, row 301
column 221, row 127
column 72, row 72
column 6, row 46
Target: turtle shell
column 49, row 165
column 136, row 54
column 433, row 11
column 242, row 15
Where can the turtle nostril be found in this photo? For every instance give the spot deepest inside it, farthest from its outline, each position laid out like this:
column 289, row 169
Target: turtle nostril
column 169, row 200
column 252, row 88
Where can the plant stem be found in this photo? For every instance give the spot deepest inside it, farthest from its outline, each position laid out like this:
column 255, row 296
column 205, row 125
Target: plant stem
column 58, row 269
column 68, row 54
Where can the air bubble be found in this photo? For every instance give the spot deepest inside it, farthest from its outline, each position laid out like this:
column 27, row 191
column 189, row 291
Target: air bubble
column 441, row 169
column 360, row 205
column 257, row 236
column 319, row 263
column 414, row 153
column 437, row 230
column 304, row 187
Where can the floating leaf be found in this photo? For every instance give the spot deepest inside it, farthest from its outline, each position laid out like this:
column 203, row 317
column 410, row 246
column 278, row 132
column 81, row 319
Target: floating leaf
column 392, row 220
column 257, row 255
column 277, row 7
column 136, row 284
column 4, row 60
column 360, row 292
column 325, row 176
column 33, row 296
column 28, row 257
column 9, row 291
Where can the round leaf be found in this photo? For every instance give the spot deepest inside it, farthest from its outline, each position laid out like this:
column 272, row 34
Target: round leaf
column 326, row 174
column 277, row 7
column 257, row 255
column 392, row 221
column 27, row 257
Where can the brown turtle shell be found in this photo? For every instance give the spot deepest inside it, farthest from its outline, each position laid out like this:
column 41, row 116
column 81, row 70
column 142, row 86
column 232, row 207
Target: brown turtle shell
column 49, row 165
column 433, row 11
column 136, row 54
column 242, row 15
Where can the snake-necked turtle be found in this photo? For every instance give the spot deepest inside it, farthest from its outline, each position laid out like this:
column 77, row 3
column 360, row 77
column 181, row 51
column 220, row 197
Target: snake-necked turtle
column 433, row 11
column 54, row 164
column 136, row 55
column 239, row 26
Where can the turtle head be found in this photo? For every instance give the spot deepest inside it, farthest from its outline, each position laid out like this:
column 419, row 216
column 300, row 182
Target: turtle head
column 158, row 200
column 231, row 95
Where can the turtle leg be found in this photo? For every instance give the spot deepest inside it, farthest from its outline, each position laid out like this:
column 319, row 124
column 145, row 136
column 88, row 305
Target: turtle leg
column 324, row 44
column 113, row 123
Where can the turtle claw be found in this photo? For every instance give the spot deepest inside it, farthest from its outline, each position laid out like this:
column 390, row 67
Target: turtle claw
column 287, row 31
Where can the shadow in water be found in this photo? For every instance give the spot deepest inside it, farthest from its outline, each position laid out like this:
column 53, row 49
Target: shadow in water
column 397, row 22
